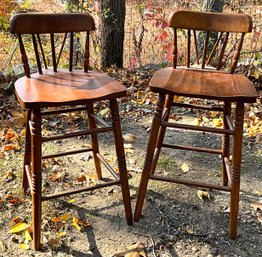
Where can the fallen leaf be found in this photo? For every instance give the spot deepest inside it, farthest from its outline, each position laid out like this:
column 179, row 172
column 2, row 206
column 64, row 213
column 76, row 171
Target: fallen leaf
column 78, row 222
column 197, row 121
column 190, row 231
column 104, row 112
column 56, row 176
column 92, row 177
column 203, row 194
column 17, row 114
column 256, row 205
column 255, row 74
column 71, row 200
column 16, row 220
column 9, row 147
column 83, row 223
column 81, row 178
column 218, row 122
column 15, row 201
column 214, row 114
column 10, row 135
column 28, row 235
column 74, row 223
column 53, row 241
column 24, row 246
column 64, row 217
column 61, row 234
column 19, row 227
column 9, row 176
column 185, row 167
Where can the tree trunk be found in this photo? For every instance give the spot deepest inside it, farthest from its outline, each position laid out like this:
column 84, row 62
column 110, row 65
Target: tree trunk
column 210, row 6
column 112, row 32
column 213, row 6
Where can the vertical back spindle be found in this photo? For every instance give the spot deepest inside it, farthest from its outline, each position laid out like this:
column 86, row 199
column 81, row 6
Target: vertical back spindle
column 71, row 51
column 39, row 66
column 222, row 51
column 188, row 48
column 87, row 52
column 237, row 54
column 42, row 50
column 196, row 47
column 61, row 49
column 174, row 55
column 23, row 56
column 53, row 52
column 214, row 48
column 205, row 50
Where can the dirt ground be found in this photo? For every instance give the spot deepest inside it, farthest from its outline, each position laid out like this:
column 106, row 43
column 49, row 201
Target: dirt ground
column 175, row 221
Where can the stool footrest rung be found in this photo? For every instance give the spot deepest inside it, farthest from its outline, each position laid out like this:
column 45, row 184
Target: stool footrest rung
column 108, row 166
column 190, row 183
column 100, row 120
column 79, row 190
column 198, row 128
column 77, row 133
column 192, row 148
column 196, row 106
column 73, row 109
column 67, row 153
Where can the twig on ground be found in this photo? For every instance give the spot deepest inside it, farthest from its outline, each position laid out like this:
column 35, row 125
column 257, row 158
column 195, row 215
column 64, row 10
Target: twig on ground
column 153, row 245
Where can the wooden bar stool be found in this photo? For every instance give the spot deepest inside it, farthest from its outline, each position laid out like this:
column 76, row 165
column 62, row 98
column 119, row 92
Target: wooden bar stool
column 72, row 90
column 205, row 82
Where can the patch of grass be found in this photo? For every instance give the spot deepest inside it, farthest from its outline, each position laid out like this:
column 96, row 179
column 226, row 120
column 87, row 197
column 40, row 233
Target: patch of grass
column 166, row 163
column 258, row 156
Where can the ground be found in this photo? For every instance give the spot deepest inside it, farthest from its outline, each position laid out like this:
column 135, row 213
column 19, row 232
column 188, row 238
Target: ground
column 175, row 221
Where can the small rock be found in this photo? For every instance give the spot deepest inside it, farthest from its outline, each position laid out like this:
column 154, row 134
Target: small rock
column 223, row 233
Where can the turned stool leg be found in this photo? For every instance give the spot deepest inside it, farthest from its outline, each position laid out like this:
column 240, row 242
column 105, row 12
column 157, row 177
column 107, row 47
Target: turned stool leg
column 162, row 131
column 225, row 143
column 149, row 156
column 27, row 155
column 236, row 164
column 36, row 177
column 121, row 160
column 94, row 140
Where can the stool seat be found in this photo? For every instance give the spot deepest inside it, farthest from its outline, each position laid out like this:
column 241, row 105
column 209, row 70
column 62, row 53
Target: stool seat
column 207, row 84
column 54, row 88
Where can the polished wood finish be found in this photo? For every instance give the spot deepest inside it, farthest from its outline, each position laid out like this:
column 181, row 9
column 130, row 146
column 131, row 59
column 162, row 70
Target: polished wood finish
column 71, row 90
column 54, row 88
column 203, row 84
column 210, row 21
column 201, row 80
column 41, row 23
